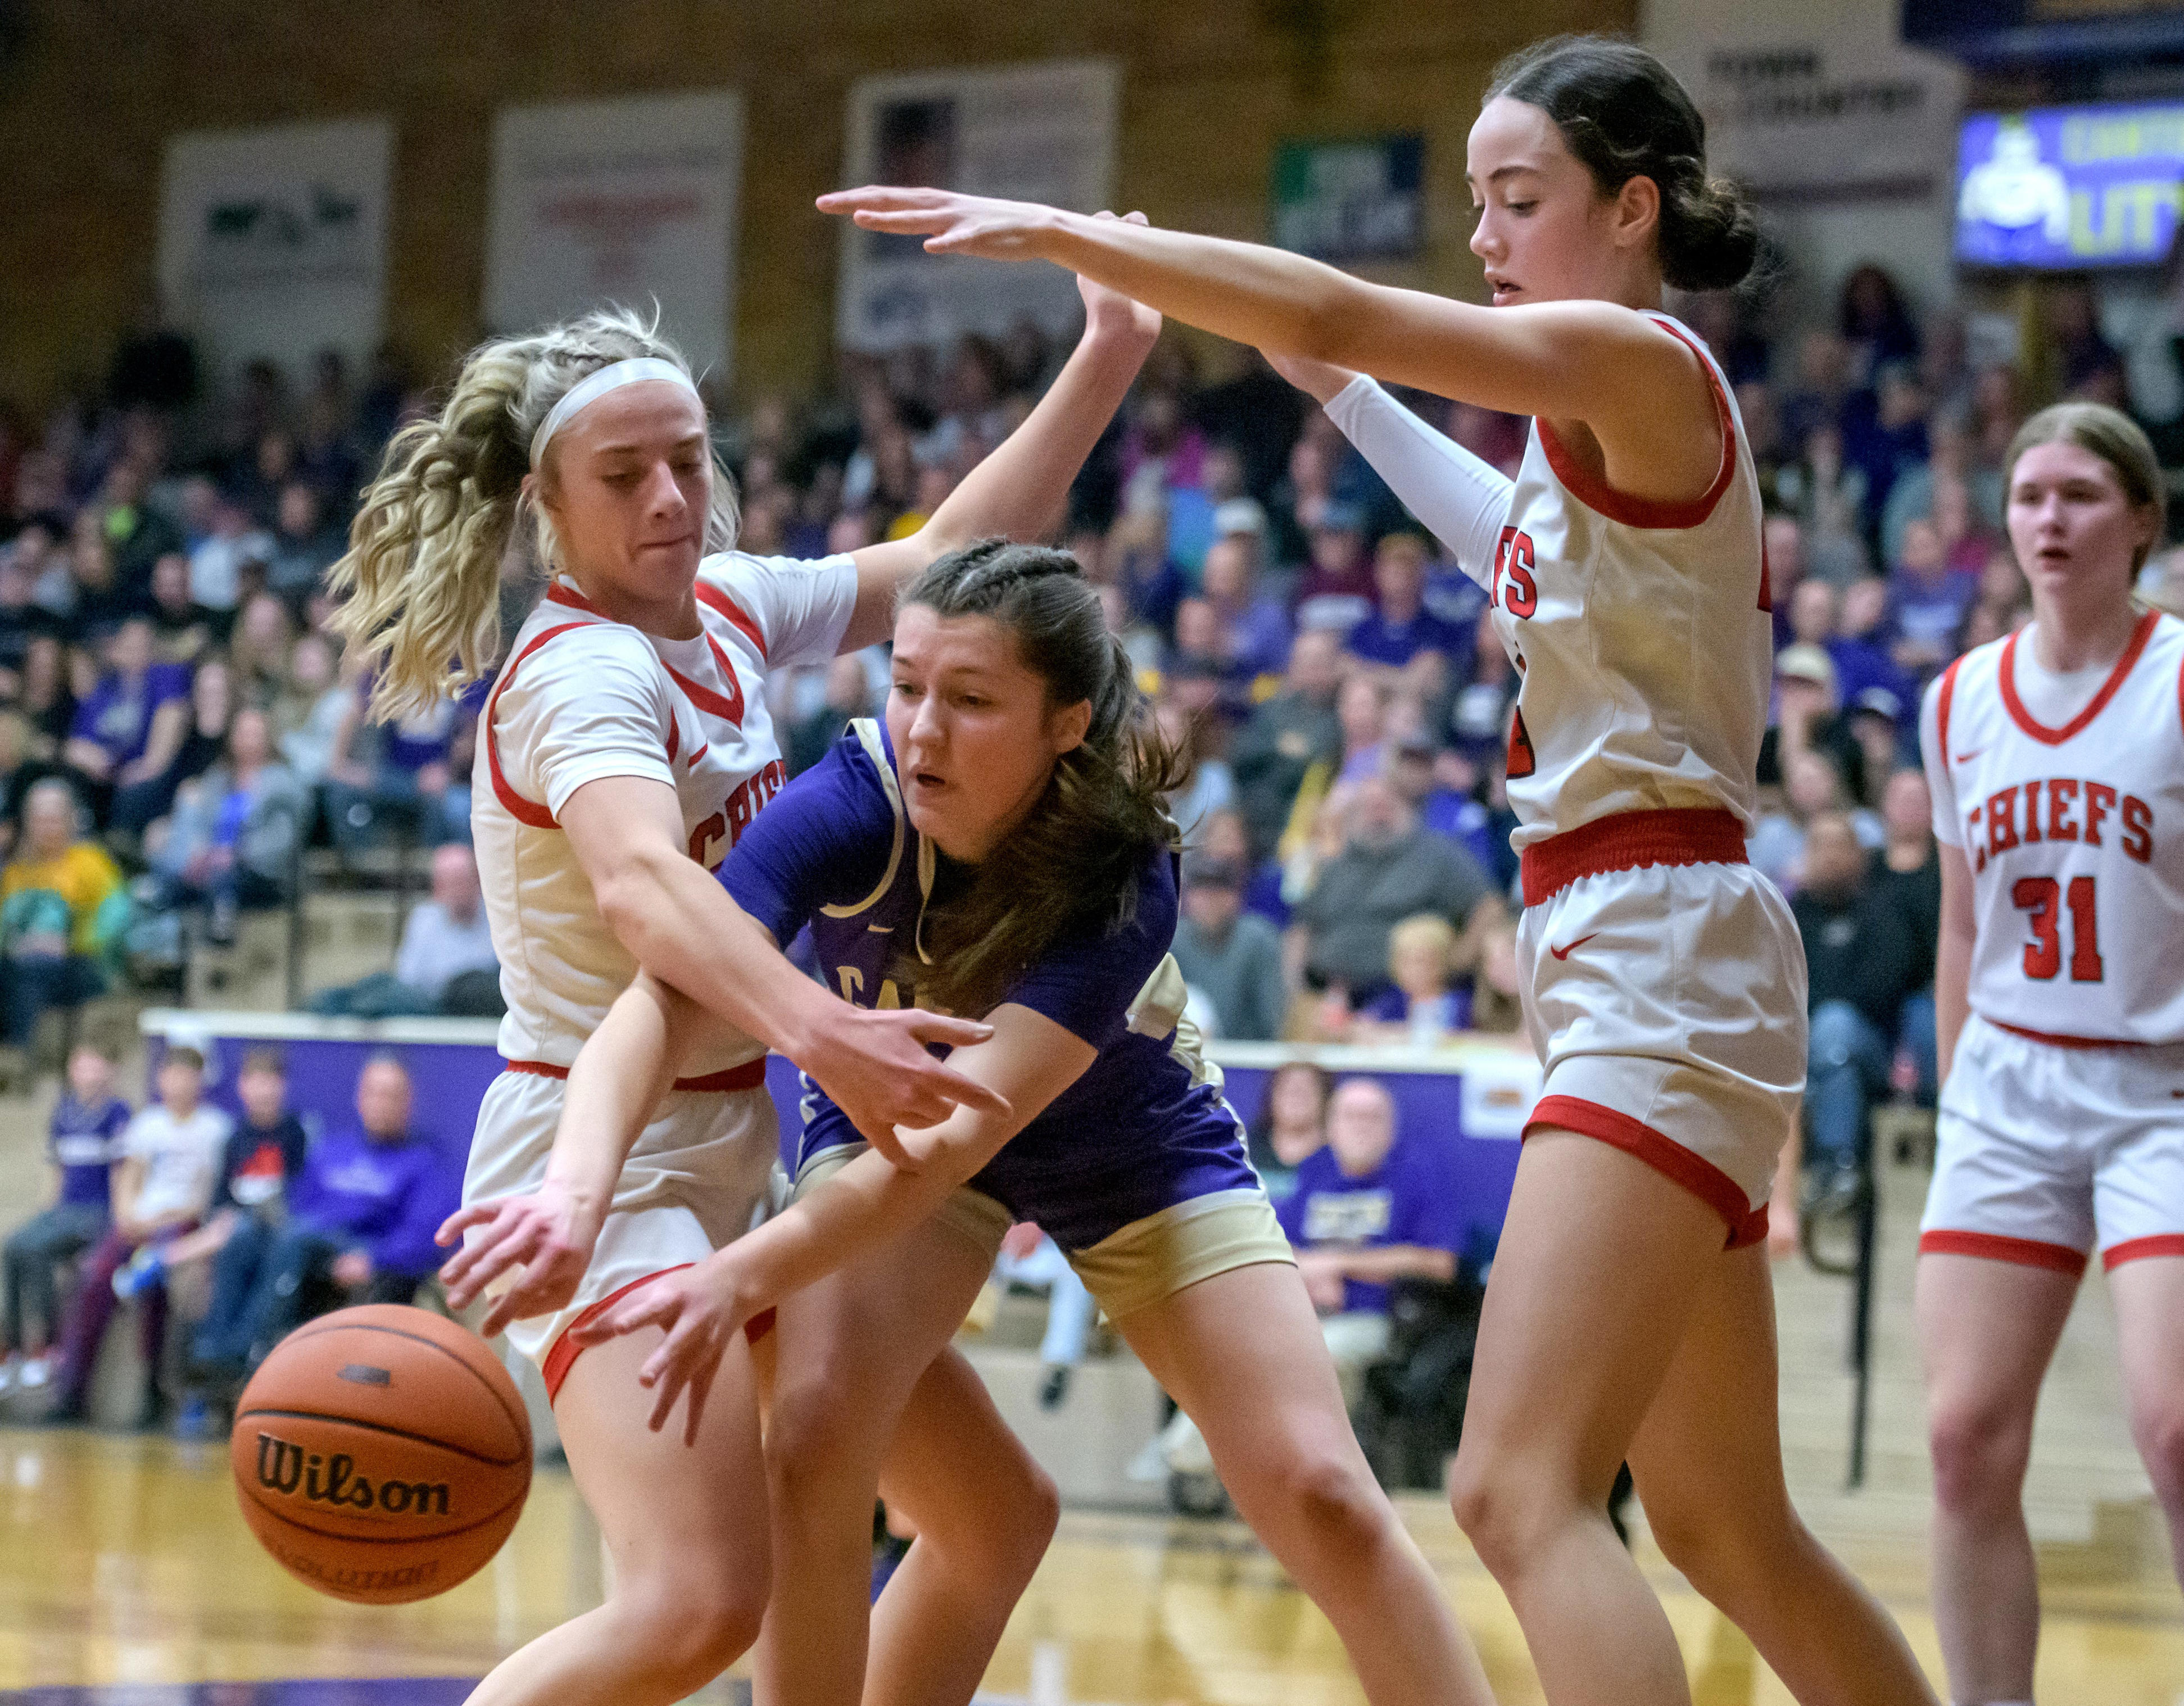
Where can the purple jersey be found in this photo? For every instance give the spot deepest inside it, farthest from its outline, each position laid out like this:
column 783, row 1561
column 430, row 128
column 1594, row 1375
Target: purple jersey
column 1408, row 1199
column 1144, row 1129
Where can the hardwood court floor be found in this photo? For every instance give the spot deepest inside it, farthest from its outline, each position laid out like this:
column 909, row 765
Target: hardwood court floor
column 123, row 1562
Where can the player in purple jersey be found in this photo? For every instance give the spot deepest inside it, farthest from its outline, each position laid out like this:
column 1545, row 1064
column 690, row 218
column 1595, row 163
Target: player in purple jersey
column 1001, row 848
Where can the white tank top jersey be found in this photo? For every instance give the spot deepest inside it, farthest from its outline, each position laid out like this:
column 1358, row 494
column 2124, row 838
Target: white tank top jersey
column 2069, row 807
column 583, row 696
column 1641, row 632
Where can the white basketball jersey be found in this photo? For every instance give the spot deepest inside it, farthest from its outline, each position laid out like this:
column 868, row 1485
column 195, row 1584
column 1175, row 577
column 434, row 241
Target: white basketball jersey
column 583, row 696
column 1641, row 633
column 2074, row 835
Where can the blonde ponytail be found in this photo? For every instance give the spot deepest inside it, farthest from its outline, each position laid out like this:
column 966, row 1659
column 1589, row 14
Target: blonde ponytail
column 420, row 585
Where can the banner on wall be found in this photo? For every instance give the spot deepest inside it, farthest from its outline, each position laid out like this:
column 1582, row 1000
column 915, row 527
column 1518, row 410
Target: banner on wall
column 273, row 243
column 1801, row 121
column 627, row 201
column 1040, row 132
column 2070, row 186
column 1359, row 199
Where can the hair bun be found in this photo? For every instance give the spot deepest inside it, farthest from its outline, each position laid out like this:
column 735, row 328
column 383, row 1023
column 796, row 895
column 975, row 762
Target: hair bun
column 1709, row 241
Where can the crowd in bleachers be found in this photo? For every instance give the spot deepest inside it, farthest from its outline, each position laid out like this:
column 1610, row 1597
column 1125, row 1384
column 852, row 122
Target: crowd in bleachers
column 175, row 720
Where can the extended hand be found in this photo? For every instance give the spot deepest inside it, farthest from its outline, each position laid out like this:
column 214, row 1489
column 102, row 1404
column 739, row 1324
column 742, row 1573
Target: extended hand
column 950, row 223
column 875, row 1067
column 544, row 1233
column 1109, row 313
column 698, row 1308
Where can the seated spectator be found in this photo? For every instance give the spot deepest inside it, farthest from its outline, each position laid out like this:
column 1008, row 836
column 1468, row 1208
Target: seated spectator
column 446, row 946
column 94, row 600
column 259, row 648
column 1291, row 1127
column 848, row 694
column 128, row 729
column 1860, row 658
column 1809, row 713
column 1441, row 786
column 1863, row 961
column 1231, row 957
column 1909, row 873
column 1419, row 1009
column 1402, row 627
column 63, row 910
column 1477, row 716
column 170, row 1159
column 218, row 562
column 231, row 844
column 1811, row 613
column 1497, row 1007
column 362, row 1214
column 182, row 631
column 1201, row 669
column 1286, row 737
column 1361, row 707
column 1875, row 721
column 1254, row 627
column 1369, row 1210
column 47, row 696
column 83, row 1142
column 1928, row 601
column 1336, row 592
column 381, row 779
column 196, row 744
column 1389, row 870
column 305, row 546
column 307, row 709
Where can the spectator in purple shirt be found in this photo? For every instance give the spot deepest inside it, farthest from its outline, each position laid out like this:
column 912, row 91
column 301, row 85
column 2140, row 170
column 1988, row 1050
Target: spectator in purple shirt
column 127, row 727
column 1402, row 627
column 1336, row 590
column 362, row 1214
column 1257, row 627
column 1928, row 600
column 1861, row 660
column 1368, row 1210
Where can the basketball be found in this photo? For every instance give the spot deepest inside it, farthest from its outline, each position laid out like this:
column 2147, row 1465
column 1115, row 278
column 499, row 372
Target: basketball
column 381, row 1454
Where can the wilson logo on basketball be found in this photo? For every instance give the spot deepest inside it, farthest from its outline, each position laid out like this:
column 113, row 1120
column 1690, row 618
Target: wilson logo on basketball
column 294, row 1473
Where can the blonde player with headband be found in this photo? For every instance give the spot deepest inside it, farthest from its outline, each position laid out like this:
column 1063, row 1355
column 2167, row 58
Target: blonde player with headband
column 1630, row 1314
column 2056, row 759
column 623, row 750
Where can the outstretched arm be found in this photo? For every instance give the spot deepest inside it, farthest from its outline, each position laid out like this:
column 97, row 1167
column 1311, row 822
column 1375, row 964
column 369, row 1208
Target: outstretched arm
column 1029, row 1060
column 1633, row 384
column 1018, row 491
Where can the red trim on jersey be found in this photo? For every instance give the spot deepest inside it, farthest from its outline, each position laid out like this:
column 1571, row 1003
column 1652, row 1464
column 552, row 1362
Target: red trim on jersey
column 1992, row 1247
column 522, row 810
column 2055, row 737
column 1747, row 1225
column 675, row 738
column 559, row 594
column 1942, row 702
column 735, row 612
column 2054, row 1041
column 2138, row 1249
column 1596, row 494
column 1628, row 840
column 748, row 1076
column 729, row 705
column 704, row 748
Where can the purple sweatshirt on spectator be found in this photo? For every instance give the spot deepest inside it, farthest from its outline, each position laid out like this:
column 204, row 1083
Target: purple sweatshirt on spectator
column 384, row 1195
column 117, row 714
column 1409, row 1199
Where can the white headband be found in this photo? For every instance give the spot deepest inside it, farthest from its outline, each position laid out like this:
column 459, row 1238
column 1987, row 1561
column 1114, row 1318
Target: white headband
column 596, row 385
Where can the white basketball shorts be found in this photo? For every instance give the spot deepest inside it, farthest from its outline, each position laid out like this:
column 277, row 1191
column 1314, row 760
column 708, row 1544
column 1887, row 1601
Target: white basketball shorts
column 697, row 1177
column 2044, row 1152
column 1666, row 999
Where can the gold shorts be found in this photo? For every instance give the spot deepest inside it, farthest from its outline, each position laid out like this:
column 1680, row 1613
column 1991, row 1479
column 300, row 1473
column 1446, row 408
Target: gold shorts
column 1141, row 1263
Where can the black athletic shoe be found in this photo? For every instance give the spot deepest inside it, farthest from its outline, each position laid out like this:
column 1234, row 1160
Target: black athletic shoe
column 1054, row 1387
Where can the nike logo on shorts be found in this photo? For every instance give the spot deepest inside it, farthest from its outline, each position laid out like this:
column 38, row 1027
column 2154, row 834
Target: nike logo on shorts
column 1966, row 758
column 1565, row 952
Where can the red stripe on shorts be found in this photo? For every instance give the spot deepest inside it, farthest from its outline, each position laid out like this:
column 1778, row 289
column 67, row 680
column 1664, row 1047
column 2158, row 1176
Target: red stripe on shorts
column 561, row 1355
column 2138, row 1249
column 1747, row 1225
column 1992, row 1247
column 1628, row 841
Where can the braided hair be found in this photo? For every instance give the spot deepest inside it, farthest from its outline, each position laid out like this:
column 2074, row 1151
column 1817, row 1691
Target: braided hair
column 1071, row 867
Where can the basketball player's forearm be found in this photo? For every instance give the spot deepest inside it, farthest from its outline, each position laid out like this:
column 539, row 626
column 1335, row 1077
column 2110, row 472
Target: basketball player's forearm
column 1463, row 499
column 1952, row 965
column 1019, row 490
column 623, row 1070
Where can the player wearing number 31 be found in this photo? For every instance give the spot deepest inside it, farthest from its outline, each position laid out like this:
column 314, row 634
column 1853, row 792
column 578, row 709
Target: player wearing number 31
column 1630, row 1313
column 2056, row 758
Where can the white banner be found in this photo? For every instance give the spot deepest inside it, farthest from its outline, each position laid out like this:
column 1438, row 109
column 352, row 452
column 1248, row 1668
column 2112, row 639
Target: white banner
column 1040, row 132
column 273, row 243
column 628, row 201
column 1797, row 120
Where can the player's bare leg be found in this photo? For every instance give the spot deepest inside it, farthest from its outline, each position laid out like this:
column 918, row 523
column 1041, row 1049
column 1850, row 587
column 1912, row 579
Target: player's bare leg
column 682, row 1526
column 2148, row 1296
column 1242, row 1353
column 1986, row 1333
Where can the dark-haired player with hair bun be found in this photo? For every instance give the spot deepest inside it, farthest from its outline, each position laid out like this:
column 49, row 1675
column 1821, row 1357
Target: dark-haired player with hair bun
column 1631, row 1312
column 998, row 847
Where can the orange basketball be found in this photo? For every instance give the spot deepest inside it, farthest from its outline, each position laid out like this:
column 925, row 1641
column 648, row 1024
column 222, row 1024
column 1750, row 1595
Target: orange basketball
column 381, row 1454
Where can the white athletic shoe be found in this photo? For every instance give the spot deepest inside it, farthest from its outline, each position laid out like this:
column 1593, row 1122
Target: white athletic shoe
column 35, row 1373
